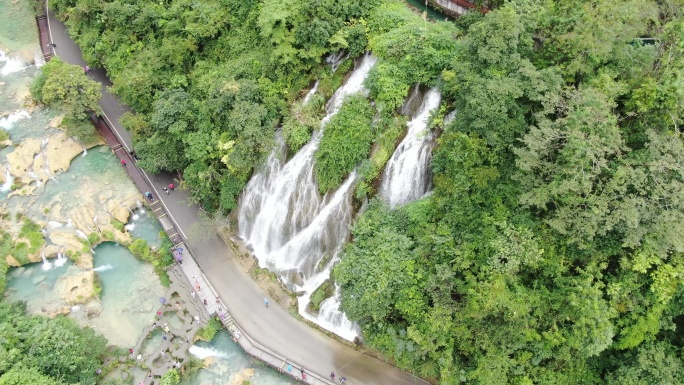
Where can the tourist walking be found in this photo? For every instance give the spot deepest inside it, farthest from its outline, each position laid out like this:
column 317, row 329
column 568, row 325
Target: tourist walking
column 171, row 187
column 343, row 380
column 166, row 190
column 193, row 294
column 123, row 162
column 332, row 376
column 265, row 301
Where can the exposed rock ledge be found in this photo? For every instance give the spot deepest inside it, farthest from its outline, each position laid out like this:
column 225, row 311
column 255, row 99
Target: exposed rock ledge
column 38, row 160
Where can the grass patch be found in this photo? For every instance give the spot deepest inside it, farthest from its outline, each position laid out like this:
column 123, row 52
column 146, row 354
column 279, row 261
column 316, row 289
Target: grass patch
column 20, row 253
column 32, row 232
column 117, row 225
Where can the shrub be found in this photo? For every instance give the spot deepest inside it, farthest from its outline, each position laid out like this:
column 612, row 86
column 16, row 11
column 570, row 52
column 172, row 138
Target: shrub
column 346, row 141
column 20, row 252
column 172, row 377
column 207, row 332
column 116, row 224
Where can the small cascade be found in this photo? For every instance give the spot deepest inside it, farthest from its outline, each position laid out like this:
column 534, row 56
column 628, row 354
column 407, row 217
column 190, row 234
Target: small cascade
column 8, row 122
column 289, row 225
column 406, row 176
column 449, row 118
column 129, row 227
column 85, row 152
column 81, row 234
column 141, row 208
column 103, row 268
column 203, row 353
column 311, row 92
column 54, row 224
column 61, row 259
column 335, row 59
column 9, row 180
column 46, row 264
column 69, row 223
column 13, row 63
column 134, row 216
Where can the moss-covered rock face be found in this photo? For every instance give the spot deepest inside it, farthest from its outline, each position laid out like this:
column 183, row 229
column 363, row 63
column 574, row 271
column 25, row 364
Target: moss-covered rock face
column 323, row 292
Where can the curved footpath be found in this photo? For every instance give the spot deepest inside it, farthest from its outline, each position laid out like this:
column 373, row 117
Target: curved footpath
column 270, row 334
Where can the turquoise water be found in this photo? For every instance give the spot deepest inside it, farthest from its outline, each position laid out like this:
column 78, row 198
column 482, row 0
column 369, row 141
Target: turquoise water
column 96, row 172
column 130, row 294
column 35, row 286
column 228, row 361
column 144, row 225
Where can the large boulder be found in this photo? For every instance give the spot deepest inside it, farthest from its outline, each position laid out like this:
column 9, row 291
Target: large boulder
column 76, row 288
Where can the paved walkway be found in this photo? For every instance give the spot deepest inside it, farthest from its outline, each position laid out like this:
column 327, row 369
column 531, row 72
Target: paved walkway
column 271, row 334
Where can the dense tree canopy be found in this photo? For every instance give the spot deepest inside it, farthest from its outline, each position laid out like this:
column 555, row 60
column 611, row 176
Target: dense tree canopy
column 40, row 350
column 550, row 250
column 67, row 88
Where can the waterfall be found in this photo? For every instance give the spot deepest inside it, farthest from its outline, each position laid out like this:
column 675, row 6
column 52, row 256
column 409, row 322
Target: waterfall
column 290, row 227
column 9, row 180
column 311, row 92
column 46, row 264
column 61, row 259
column 406, row 176
column 203, row 353
column 13, row 63
column 8, row 121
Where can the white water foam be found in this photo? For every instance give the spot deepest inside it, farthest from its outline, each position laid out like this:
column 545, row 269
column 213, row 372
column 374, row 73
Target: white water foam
column 104, row 267
column 13, row 63
column 406, row 176
column 9, row 180
column 8, row 122
column 203, row 353
column 290, row 226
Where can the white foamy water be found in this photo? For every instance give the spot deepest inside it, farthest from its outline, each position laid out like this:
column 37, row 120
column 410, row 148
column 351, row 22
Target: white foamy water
column 290, row 226
column 311, row 93
column 8, row 122
column 9, row 180
column 203, row 353
column 104, row 267
column 406, row 176
column 13, row 63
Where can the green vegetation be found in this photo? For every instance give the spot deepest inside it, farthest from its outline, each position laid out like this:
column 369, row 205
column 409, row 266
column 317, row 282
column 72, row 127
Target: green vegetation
column 32, row 232
column 117, row 225
column 40, row 350
column 160, row 258
column 67, row 88
column 208, row 331
column 4, row 135
column 209, row 82
column 172, row 377
column 323, row 292
column 346, row 141
column 391, row 128
column 549, row 251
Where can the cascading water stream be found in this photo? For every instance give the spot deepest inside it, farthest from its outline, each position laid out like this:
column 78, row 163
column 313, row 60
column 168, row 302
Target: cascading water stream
column 293, row 231
column 406, row 176
column 9, row 180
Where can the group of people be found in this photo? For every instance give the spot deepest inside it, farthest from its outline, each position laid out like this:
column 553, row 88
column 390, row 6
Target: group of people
column 149, row 195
